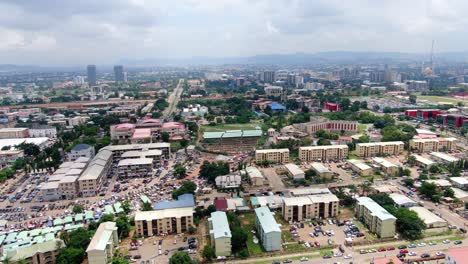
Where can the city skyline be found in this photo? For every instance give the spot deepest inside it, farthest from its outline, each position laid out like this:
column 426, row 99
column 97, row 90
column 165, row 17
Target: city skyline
column 107, row 32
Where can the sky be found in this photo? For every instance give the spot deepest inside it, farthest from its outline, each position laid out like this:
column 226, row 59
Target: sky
column 69, row 32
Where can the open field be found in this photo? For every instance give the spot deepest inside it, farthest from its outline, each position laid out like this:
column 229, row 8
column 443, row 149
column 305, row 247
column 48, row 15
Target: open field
column 437, row 99
column 224, row 127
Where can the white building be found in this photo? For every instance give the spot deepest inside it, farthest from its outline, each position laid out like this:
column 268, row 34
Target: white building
column 268, row 230
column 402, row 200
column 430, row 219
column 294, row 171
column 459, row 182
column 101, row 249
column 43, row 131
column 81, row 150
column 220, row 233
column 228, row 181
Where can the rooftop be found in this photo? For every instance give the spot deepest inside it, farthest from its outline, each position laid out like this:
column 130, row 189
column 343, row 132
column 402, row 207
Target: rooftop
column 444, row 156
column 80, row 147
column 401, row 199
column 383, row 162
column 319, row 167
column 142, row 133
column 427, row 216
column 163, row 213
column 220, row 225
column 266, row 220
column 102, row 236
column 184, row 200
column 376, row 210
column 139, row 161
column 458, row 255
column 325, row 147
column 272, row 150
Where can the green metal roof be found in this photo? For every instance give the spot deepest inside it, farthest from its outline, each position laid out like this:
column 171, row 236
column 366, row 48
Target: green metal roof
column 39, row 239
column 118, row 207
column 11, row 237
column 79, row 217
column 58, row 221
column 212, row 135
column 35, row 232
column 68, row 220
column 232, row 134
column 49, row 236
column 109, row 209
column 252, row 133
column 89, row 215
column 22, row 235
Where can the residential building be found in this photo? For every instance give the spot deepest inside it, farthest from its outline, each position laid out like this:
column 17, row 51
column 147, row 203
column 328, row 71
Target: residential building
column 78, row 120
column 268, row 77
column 168, row 217
column 272, row 155
column 45, row 252
column 429, row 218
column 122, row 132
column 255, row 175
column 176, row 130
column 444, row 158
column 268, row 229
column 81, row 150
column 92, row 76
column 230, row 181
column 360, row 167
column 422, row 161
column 103, row 245
column 275, row 91
column 154, row 154
column 220, row 233
column 433, row 144
column 402, row 200
column 133, row 168
column 297, row 209
column 379, row 148
column 119, row 150
column 323, row 153
column 7, row 157
column 141, row 135
column 386, row 166
column 43, row 131
column 11, row 132
column 321, row 170
column 375, row 217
column 293, row 171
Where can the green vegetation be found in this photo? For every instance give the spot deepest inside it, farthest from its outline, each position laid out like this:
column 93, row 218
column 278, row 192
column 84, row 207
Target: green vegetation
column 179, row 171
column 180, row 257
column 187, row 187
column 437, row 99
column 76, row 243
column 240, row 236
column 211, row 170
column 248, row 223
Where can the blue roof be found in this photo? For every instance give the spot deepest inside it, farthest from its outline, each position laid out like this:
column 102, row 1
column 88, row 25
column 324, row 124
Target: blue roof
column 276, row 106
column 184, row 200
column 81, row 147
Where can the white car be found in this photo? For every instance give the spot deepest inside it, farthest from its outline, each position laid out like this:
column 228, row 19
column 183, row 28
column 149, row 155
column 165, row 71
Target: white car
column 303, row 259
column 338, row 254
column 422, row 244
column 446, row 241
column 347, row 256
column 439, row 253
column 412, row 253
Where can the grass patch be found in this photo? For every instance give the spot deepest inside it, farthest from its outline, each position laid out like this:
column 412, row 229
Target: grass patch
column 362, row 128
column 326, row 251
column 287, row 236
column 436, row 234
column 294, row 248
column 224, row 127
column 440, row 99
column 248, row 221
column 280, row 258
column 353, row 155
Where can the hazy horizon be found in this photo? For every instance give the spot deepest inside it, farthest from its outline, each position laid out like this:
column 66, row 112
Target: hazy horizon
column 106, row 32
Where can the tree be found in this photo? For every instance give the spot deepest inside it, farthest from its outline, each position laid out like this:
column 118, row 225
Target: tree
column 78, row 209
column 429, row 190
column 409, row 182
column 120, row 260
column 355, row 106
column 184, row 144
column 70, row 255
column 412, row 98
column 449, row 193
column 208, row 253
column 79, row 238
column 309, row 174
column 123, row 226
column 382, row 199
column 364, row 104
column 434, row 169
column 345, row 103
column 126, row 207
column 165, row 136
column 179, row 171
column 147, row 207
column 187, row 187
column 180, row 257
column 408, row 224
column 238, row 238
column 411, row 160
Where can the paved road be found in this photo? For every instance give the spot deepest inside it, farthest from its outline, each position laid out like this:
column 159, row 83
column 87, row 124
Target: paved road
column 174, row 99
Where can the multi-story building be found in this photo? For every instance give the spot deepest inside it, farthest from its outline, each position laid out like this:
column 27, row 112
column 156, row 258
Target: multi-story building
column 103, row 245
column 11, row 132
column 296, row 209
column 321, row 170
column 433, row 144
column 457, row 255
column 272, row 155
column 360, row 167
column 119, row 73
column 168, row 217
column 220, row 233
column 323, row 153
column 268, row 229
column 81, row 150
column 386, row 166
column 228, row 181
column 320, row 123
column 268, row 77
column 119, row 150
column 90, row 181
column 132, row 168
column 7, row 157
column 92, row 76
column 416, row 85
column 45, row 252
column 379, row 148
column 154, row 154
column 122, row 132
column 78, row 120
column 43, row 131
column 275, row 91
column 233, row 141
column 375, row 217
column 255, row 176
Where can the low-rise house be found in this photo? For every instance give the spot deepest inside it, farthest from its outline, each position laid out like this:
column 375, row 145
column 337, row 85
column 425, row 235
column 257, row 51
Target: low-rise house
column 429, row 218
column 294, row 172
column 230, row 181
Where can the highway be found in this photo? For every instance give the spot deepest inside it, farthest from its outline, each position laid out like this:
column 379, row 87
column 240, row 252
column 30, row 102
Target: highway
column 174, row 99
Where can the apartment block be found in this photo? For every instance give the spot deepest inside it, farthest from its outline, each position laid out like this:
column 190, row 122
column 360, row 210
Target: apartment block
column 103, row 245
column 132, row 168
column 375, row 217
column 386, row 166
column 45, row 252
column 360, row 167
column 220, row 233
column 273, row 90
column 168, row 217
column 14, row 132
column 268, row 229
column 323, row 153
column 296, row 209
column 272, row 155
column 433, row 144
column 379, row 148
column 321, row 123
column 90, row 181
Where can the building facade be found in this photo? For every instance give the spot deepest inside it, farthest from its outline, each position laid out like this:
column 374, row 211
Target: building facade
column 220, row 233
column 375, row 217
column 103, row 245
column 433, row 144
column 297, row 209
column 379, row 148
column 268, row 229
column 272, row 155
column 323, row 153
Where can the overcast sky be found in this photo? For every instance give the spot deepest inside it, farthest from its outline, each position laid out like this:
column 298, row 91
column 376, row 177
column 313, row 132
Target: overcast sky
column 70, row 32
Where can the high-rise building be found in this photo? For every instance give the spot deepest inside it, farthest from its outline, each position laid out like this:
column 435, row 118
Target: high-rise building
column 119, row 73
column 92, row 77
column 269, row 77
